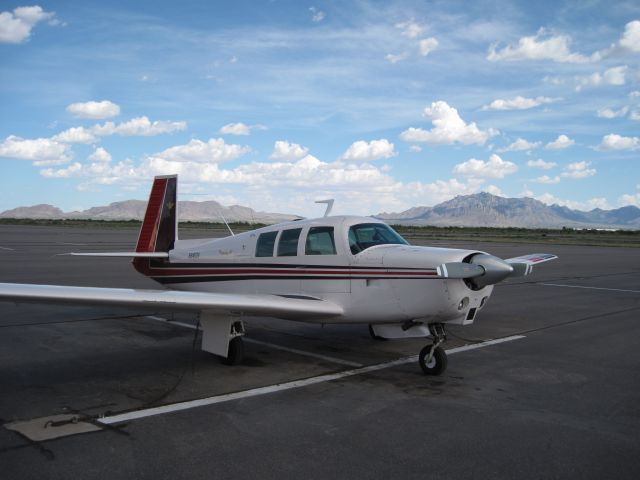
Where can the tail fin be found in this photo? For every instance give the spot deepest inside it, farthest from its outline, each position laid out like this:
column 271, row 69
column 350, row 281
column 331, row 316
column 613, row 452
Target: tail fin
column 159, row 228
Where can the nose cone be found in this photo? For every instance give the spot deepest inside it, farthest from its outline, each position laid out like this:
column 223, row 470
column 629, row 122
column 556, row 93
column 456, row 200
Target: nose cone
column 495, row 269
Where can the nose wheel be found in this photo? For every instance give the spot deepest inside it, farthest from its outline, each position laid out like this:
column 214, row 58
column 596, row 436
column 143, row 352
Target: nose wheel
column 432, row 358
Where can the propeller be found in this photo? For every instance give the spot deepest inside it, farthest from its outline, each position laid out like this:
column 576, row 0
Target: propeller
column 484, row 269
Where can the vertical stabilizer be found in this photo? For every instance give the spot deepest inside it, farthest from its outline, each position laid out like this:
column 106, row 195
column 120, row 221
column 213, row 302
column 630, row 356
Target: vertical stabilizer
column 159, row 228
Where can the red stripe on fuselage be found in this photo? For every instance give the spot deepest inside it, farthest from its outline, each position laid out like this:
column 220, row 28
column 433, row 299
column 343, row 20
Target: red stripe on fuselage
column 161, row 272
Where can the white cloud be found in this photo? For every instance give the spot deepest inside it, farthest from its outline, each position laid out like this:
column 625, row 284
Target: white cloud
column 448, row 128
column 411, row 29
column 539, row 163
column 239, row 128
column 415, row 148
column 613, row 76
column 100, row 155
column 41, row 151
column 630, row 199
column 362, row 151
column 560, row 143
column 215, row 150
column 360, row 187
column 518, row 103
column 631, row 37
column 70, row 171
column 94, row 110
column 140, row 126
column 597, row 202
column 578, row 170
column 541, row 46
column 284, row 151
column 609, row 113
column 634, row 115
column 396, row 58
column 629, row 42
column 520, row 145
column 235, row 129
column 75, row 135
column 617, row 142
column 493, row 190
column 318, row 15
column 495, row 167
column 547, row 179
column 16, row 26
column 427, row 45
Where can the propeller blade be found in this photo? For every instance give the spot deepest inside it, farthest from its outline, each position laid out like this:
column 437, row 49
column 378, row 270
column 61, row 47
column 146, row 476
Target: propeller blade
column 460, row 270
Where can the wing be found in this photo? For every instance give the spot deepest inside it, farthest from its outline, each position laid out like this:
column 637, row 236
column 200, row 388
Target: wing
column 523, row 265
column 291, row 308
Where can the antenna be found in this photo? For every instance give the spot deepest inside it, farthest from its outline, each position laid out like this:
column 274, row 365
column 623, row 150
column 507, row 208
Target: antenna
column 329, row 203
column 225, row 222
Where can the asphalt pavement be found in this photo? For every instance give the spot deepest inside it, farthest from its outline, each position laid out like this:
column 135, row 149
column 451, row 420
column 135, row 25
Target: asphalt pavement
column 559, row 399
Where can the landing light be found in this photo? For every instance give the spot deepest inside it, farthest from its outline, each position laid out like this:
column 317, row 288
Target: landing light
column 463, row 303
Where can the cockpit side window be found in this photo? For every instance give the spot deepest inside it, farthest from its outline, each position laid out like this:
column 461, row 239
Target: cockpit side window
column 367, row 235
column 288, row 244
column 265, row 244
column 320, row 241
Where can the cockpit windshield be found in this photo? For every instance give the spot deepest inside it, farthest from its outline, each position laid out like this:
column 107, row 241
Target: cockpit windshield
column 365, row 235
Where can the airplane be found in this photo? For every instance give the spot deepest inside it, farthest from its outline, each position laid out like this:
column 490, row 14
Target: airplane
column 328, row 270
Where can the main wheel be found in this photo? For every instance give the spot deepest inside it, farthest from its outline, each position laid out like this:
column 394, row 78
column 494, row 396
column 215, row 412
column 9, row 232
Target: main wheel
column 438, row 363
column 236, row 352
column 373, row 334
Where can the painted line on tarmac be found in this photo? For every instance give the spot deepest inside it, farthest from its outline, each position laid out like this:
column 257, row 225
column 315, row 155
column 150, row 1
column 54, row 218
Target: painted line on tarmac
column 254, row 392
column 589, row 288
column 302, row 352
column 6, row 248
column 271, row 345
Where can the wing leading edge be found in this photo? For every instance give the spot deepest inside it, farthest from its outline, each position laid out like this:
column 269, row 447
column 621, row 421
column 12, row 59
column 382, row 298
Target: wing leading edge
column 299, row 308
column 523, row 265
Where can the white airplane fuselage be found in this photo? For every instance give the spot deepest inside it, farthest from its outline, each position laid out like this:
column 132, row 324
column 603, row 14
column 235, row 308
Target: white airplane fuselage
column 382, row 284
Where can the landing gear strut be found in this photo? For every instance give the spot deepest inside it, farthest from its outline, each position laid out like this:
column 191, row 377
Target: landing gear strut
column 432, row 358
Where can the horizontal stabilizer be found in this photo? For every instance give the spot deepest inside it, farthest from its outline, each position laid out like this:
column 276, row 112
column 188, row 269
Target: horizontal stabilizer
column 460, row 270
column 120, row 254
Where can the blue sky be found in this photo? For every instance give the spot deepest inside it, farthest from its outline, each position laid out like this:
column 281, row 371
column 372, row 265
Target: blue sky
column 380, row 105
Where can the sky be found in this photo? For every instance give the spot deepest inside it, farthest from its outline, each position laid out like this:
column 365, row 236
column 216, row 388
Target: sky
column 276, row 104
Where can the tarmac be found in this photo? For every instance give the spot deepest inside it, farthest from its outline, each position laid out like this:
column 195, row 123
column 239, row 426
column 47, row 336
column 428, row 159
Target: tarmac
column 103, row 393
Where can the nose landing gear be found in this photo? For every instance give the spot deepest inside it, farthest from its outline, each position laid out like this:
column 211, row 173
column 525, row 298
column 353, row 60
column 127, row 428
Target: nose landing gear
column 432, row 358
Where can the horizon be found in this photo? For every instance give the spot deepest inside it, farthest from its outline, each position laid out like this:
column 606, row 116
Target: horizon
column 273, row 105
column 295, row 214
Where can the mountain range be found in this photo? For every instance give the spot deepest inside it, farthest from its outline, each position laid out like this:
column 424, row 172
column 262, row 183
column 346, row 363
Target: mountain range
column 486, row 210
column 477, row 210
column 209, row 211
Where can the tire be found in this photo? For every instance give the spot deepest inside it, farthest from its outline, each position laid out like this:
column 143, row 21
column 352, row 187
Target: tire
column 438, row 363
column 236, row 352
column 374, row 336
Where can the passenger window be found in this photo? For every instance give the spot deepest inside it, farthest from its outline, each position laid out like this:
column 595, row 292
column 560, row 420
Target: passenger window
column 288, row 244
column 320, row 241
column 264, row 246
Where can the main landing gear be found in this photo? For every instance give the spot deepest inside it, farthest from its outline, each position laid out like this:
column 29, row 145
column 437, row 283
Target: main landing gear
column 432, row 358
column 235, row 354
column 222, row 336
